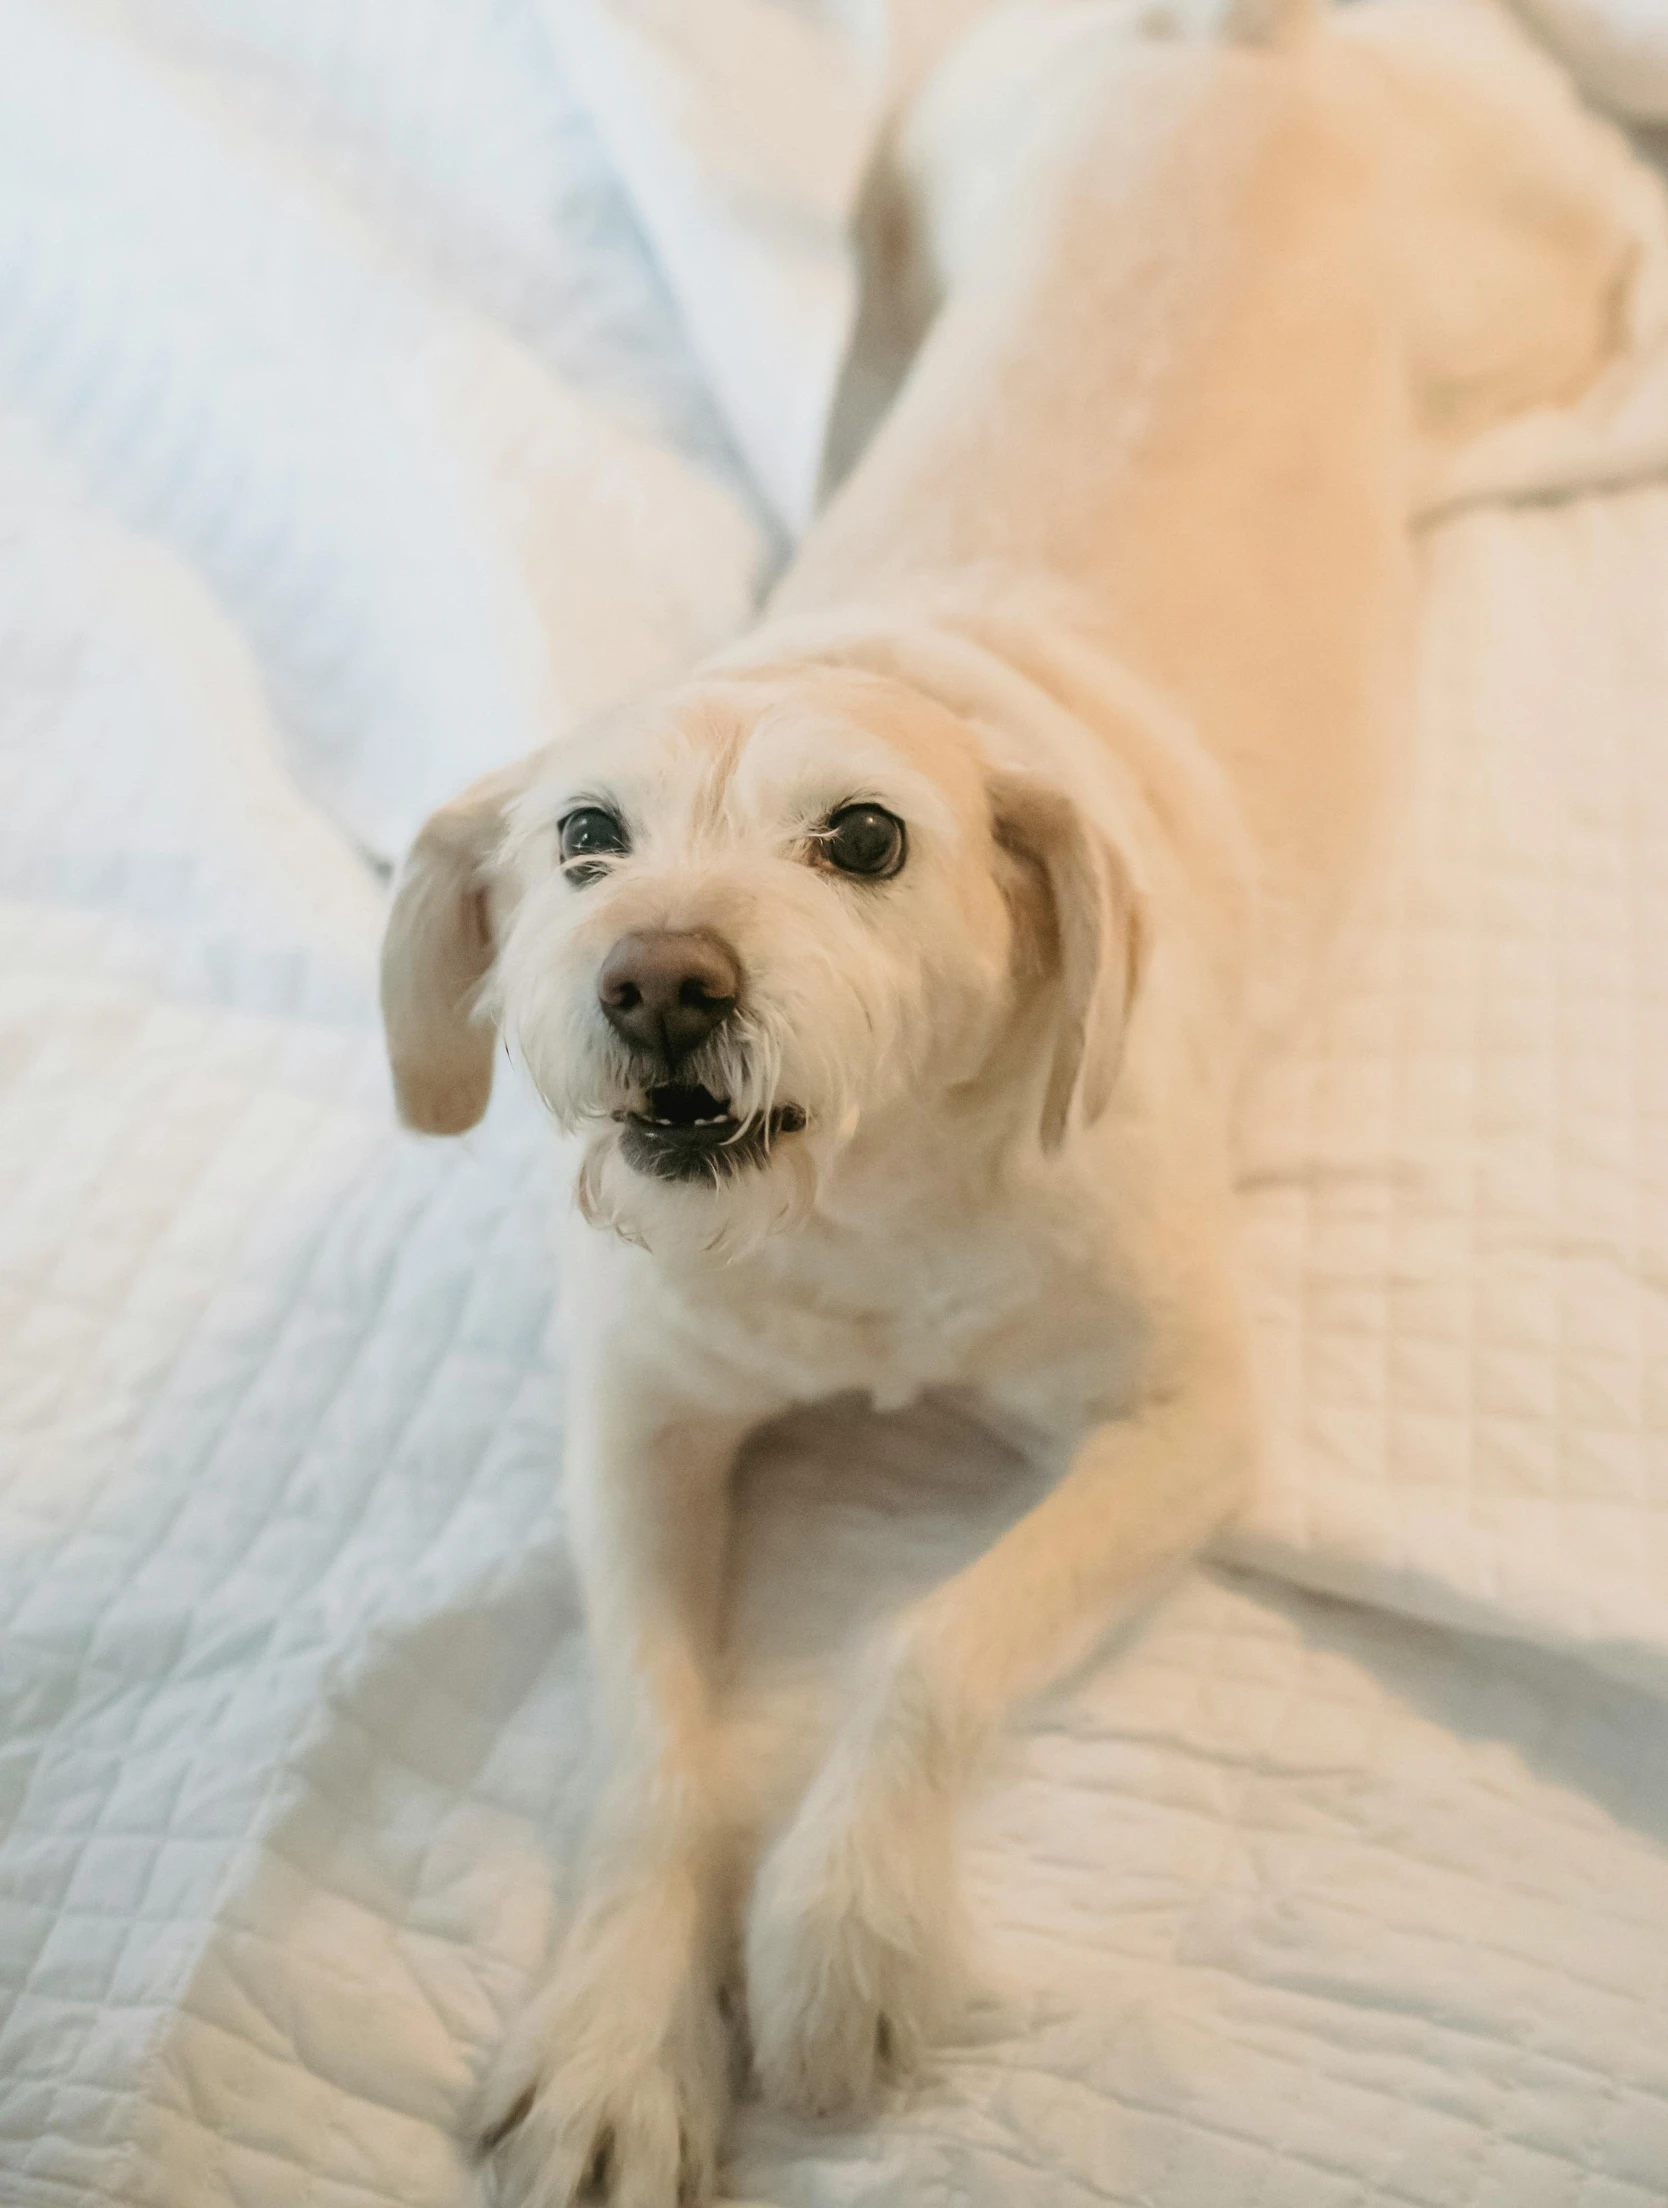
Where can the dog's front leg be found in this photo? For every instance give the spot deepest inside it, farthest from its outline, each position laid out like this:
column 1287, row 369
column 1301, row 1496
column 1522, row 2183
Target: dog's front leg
column 852, row 1949
column 613, row 2084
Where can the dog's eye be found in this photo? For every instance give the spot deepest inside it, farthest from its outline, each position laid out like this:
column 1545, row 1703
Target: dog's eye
column 862, row 839
column 590, row 833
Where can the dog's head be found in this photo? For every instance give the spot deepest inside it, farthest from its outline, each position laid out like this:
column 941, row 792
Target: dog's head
column 734, row 930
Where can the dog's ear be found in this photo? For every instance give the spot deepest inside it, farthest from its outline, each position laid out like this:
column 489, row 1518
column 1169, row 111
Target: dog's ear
column 1078, row 923
column 437, row 951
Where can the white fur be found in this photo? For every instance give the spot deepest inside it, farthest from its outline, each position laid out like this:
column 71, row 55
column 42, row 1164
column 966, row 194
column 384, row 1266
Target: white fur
column 1113, row 617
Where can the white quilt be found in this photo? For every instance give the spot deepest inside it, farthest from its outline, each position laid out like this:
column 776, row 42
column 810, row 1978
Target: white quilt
column 369, row 392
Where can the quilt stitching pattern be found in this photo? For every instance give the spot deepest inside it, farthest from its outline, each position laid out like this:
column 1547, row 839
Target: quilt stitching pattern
column 1461, row 1291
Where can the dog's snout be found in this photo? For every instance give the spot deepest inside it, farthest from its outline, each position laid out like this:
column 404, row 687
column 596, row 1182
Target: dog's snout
column 666, row 992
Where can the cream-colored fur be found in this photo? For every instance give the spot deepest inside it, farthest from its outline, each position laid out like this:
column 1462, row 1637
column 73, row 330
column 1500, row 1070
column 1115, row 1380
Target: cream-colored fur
column 1113, row 618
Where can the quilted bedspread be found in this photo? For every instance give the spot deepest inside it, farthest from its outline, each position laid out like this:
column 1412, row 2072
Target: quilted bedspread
column 371, row 391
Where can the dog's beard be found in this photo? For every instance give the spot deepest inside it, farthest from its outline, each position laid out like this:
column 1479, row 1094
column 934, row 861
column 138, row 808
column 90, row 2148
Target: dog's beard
column 723, row 1215
column 711, row 1190
column 714, row 1116
column 826, row 1039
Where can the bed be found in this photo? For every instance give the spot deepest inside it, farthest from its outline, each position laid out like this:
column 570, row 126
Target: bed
column 380, row 380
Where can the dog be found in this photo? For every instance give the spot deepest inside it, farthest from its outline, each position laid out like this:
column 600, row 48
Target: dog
column 893, row 979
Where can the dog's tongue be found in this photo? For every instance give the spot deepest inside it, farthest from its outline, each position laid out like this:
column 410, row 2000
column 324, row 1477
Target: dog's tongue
column 679, row 1105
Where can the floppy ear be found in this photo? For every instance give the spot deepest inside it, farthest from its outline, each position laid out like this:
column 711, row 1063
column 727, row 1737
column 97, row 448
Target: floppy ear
column 1078, row 919
column 437, row 951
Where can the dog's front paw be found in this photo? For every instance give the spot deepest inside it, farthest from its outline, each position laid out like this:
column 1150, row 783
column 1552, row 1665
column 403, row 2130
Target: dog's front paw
column 607, row 2092
column 852, row 1960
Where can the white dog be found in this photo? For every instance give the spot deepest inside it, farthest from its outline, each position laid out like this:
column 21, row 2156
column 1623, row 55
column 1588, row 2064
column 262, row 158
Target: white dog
column 894, row 976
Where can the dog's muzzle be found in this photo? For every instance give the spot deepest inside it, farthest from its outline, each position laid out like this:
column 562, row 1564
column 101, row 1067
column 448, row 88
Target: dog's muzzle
column 667, row 993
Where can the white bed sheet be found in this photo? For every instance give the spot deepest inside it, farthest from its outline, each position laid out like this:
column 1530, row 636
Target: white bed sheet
column 1288, row 1902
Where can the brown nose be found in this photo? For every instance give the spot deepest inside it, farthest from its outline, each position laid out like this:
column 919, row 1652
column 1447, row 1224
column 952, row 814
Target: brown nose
column 666, row 993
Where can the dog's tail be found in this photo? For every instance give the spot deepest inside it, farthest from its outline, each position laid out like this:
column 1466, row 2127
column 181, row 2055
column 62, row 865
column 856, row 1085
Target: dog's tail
column 1276, row 23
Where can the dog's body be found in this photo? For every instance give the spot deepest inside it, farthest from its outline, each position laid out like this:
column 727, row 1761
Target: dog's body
column 980, row 865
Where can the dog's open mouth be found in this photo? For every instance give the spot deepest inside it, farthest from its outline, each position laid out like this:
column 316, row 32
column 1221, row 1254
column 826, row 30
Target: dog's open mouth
column 680, row 1131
